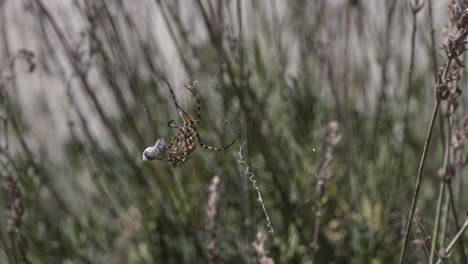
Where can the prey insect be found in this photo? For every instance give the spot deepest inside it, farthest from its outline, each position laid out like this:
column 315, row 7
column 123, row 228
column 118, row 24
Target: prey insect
column 184, row 142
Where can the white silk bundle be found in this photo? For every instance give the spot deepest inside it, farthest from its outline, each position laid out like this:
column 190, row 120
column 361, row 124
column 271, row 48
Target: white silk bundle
column 156, row 151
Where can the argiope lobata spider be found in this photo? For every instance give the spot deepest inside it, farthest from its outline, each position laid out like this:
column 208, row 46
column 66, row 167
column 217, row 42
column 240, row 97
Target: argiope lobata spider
column 184, row 143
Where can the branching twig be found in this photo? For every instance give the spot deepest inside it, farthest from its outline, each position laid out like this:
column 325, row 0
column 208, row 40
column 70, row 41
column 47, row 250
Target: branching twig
column 445, row 253
column 454, row 48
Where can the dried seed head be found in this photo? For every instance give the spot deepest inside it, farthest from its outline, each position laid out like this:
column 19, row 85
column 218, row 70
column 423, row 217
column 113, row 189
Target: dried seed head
column 15, row 212
column 259, row 247
column 334, row 126
column 443, row 253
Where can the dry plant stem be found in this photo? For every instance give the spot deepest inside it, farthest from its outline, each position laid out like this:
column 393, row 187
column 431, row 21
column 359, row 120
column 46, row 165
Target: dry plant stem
column 9, row 252
column 408, row 97
column 381, row 99
column 401, row 156
column 13, row 247
column 331, row 139
column 457, row 224
column 2, row 87
column 178, row 45
column 215, row 38
column 241, row 39
column 315, row 242
column 78, row 67
column 39, row 169
column 401, row 163
column 42, row 173
column 445, row 216
column 447, row 198
column 347, row 142
column 433, row 44
column 384, row 65
column 421, row 167
column 240, row 87
column 435, row 233
column 112, row 35
column 211, row 212
column 455, row 239
column 75, row 63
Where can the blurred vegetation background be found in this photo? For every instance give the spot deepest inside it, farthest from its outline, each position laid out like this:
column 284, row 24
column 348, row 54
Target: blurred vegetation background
column 328, row 116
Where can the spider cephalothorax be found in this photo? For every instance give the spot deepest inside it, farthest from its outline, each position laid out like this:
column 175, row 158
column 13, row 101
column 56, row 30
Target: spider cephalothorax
column 184, row 143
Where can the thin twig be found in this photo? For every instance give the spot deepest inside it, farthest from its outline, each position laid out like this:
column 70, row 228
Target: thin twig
column 421, row 165
column 433, row 44
column 441, row 193
column 409, row 88
column 457, row 224
column 454, row 240
column 6, row 248
column 454, row 47
column 437, row 221
column 418, row 180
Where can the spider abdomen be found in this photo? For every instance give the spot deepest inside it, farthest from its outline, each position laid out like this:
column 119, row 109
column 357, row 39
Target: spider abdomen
column 184, row 143
column 182, row 146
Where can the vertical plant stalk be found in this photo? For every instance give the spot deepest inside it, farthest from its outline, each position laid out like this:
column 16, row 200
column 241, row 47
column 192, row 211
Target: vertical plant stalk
column 454, row 240
column 13, row 247
column 421, row 166
column 78, row 68
column 401, row 156
column 401, row 162
column 332, row 139
column 419, row 179
column 384, row 65
column 454, row 47
column 445, row 216
column 177, row 43
column 435, row 232
column 9, row 252
column 433, row 44
column 211, row 212
column 447, row 180
column 346, row 58
column 239, row 88
column 457, row 224
column 345, row 99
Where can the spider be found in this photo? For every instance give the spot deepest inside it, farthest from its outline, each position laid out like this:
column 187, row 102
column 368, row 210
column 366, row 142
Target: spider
column 184, row 142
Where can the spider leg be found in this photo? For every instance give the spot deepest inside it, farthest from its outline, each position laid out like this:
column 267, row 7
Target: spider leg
column 179, row 109
column 210, row 147
column 176, row 161
column 159, row 158
column 173, row 124
column 198, row 102
column 172, row 93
